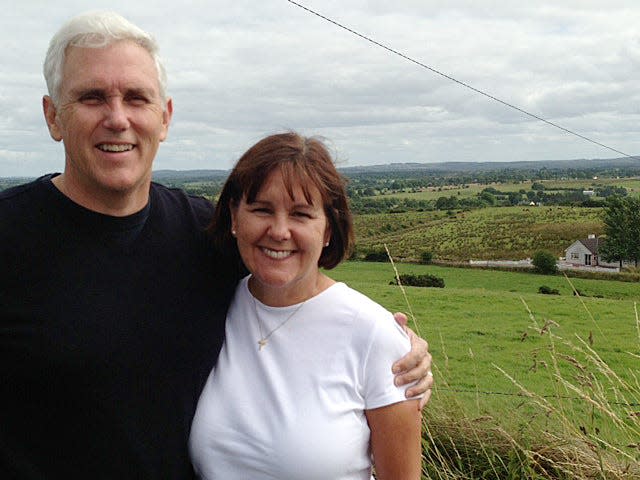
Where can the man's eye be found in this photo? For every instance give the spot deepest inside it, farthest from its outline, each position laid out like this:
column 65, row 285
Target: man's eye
column 137, row 100
column 91, row 99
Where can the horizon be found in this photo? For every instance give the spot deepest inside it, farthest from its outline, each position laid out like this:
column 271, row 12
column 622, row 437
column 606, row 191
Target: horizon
column 620, row 162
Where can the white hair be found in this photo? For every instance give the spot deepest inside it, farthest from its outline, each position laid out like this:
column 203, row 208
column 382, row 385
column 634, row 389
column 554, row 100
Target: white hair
column 97, row 29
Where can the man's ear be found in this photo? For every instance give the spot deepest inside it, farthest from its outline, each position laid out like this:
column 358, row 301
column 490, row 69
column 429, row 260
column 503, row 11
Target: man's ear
column 167, row 114
column 50, row 116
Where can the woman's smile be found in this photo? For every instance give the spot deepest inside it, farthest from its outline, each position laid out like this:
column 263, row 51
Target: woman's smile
column 277, row 254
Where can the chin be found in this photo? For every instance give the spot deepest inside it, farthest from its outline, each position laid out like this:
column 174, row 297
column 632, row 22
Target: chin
column 125, row 181
column 272, row 281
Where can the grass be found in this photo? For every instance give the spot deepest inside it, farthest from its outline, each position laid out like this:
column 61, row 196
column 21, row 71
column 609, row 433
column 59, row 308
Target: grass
column 487, row 234
column 528, row 385
column 473, row 189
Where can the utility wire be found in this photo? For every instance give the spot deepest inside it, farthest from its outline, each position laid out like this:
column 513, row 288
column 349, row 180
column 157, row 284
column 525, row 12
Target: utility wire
column 459, row 82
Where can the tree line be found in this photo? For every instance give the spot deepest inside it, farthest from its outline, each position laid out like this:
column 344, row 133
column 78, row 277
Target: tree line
column 621, row 220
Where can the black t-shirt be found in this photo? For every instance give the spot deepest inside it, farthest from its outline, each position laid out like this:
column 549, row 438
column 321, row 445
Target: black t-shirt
column 108, row 329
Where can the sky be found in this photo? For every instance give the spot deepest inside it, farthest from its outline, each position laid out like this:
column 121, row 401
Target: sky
column 239, row 70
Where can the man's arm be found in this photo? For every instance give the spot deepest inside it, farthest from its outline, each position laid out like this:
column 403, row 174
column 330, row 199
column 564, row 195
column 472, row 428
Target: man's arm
column 415, row 366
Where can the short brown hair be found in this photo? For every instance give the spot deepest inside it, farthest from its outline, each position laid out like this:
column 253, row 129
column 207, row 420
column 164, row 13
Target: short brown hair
column 302, row 160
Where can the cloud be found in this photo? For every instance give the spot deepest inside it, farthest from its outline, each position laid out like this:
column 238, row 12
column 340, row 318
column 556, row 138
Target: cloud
column 242, row 69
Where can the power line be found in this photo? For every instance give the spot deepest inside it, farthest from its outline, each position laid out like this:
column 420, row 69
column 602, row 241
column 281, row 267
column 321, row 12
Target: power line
column 459, row 82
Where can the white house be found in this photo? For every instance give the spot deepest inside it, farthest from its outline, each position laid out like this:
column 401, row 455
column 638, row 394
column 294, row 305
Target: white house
column 585, row 252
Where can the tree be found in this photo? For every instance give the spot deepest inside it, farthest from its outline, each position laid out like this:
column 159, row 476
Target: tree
column 621, row 220
column 515, row 197
column 446, row 203
column 487, row 197
column 544, row 262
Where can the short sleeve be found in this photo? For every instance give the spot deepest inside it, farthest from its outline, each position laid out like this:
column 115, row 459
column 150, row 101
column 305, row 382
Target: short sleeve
column 388, row 343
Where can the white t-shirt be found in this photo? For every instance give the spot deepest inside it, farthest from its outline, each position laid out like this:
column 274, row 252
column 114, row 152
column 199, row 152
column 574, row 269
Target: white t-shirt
column 295, row 409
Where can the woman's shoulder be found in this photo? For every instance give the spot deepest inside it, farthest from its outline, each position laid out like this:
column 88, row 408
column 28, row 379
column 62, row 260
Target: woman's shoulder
column 349, row 302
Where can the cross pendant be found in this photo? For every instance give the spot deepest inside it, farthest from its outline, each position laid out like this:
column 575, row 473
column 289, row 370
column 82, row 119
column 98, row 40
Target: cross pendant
column 262, row 342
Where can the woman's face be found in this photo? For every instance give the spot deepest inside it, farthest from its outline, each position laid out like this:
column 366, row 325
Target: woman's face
column 280, row 240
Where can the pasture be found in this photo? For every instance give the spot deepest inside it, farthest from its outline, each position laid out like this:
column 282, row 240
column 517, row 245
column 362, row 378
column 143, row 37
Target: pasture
column 529, row 365
column 498, row 233
column 472, row 189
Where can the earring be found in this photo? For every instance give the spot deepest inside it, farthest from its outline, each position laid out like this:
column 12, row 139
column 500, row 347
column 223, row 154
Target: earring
column 326, row 244
column 233, row 232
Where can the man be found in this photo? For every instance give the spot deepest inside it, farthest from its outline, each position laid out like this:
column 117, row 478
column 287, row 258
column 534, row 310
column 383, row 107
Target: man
column 112, row 300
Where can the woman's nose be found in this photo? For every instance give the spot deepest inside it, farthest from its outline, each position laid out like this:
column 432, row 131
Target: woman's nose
column 279, row 229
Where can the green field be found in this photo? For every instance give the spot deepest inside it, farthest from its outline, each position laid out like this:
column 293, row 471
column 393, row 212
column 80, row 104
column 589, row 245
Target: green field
column 470, row 190
column 487, row 326
column 507, row 233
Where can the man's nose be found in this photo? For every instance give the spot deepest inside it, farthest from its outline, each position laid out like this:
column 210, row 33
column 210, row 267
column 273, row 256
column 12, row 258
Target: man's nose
column 116, row 115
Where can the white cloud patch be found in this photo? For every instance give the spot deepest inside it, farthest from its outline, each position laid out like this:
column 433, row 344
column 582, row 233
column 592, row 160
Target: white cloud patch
column 240, row 69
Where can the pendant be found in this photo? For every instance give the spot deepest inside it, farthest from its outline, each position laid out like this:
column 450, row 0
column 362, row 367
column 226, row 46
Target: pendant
column 262, row 343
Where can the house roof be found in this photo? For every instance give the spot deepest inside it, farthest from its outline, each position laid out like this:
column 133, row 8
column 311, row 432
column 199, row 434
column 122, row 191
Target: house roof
column 592, row 244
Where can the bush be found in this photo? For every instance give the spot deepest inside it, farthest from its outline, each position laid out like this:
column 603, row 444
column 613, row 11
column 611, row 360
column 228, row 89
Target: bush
column 548, row 290
column 426, row 257
column 544, row 262
column 419, row 281
column 376, row 256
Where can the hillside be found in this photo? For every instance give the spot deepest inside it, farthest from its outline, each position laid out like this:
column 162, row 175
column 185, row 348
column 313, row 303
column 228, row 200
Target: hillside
column 496, row 233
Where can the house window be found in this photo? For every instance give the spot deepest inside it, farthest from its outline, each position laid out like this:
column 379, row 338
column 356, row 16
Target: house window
column 575, row 256
column 587, row 259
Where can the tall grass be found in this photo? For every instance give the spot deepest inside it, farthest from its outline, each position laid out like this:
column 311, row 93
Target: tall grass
column 587, row 428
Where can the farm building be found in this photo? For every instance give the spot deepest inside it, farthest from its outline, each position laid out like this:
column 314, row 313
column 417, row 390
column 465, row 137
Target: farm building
column 585, row 253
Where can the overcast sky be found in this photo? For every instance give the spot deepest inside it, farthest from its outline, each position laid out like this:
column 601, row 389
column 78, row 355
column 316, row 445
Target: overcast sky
column 242, row 69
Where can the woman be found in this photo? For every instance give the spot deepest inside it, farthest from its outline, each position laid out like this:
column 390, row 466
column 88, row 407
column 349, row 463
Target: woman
column 304, row 372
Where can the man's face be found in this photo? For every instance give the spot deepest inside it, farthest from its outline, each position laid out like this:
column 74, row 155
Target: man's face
column 110, row 117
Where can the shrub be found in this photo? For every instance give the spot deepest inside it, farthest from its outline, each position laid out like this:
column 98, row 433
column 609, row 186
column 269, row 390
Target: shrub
column 419, row 281
column 426, row 257
column 544, row 262
column 376, row 256
column 548, row 290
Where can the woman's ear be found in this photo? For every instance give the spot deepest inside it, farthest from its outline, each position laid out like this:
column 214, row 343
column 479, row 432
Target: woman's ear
column 327, row 235
column 233, row 207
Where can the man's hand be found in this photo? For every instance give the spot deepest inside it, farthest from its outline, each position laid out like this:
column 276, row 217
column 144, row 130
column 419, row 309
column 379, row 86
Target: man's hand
column 415, row 365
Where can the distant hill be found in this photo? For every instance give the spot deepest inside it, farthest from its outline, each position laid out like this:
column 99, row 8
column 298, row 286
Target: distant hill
column 452, row 167
column 188, row 175
column 577, row 164
column 605, row 164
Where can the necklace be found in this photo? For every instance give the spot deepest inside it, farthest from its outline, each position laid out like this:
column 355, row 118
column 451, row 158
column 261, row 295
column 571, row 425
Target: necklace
column 265, row 338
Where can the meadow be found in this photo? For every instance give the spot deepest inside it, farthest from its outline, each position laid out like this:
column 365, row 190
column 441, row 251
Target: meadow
column 539, row 373
column 497, row 233
column 472, row 189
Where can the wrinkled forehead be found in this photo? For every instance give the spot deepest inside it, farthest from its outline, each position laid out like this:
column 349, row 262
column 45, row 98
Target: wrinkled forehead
column 123, row 63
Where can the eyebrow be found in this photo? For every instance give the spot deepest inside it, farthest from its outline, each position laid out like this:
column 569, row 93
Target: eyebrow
column 79, row 92
column 295, row 205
